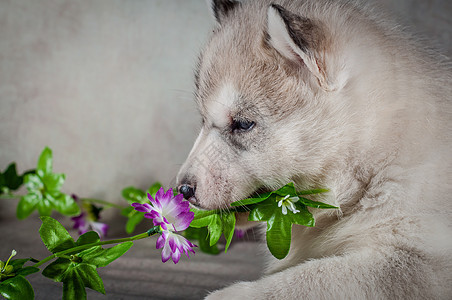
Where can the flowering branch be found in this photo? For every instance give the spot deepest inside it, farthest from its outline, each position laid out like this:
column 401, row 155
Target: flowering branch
column 75, row 263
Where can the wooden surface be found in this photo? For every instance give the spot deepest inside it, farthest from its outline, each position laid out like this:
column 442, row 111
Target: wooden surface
column 139, row 274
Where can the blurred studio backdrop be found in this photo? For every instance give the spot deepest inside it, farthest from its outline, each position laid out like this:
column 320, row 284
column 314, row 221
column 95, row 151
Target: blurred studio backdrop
column 108, row 85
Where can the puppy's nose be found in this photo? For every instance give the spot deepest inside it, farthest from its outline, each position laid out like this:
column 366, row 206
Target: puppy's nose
column 188, row 191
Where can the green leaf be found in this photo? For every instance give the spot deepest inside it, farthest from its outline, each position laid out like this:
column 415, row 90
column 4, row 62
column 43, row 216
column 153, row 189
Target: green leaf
column 27, row 205
column 18, row 263
column 53, row 182
column 215, row 229
column 202, row 236
column 56, row 270
column 44, row 162
column 54, row 235
column 133, row 221
column 288, row 189
column 88, row 238
column 202, row 222
column 228, row 220
column 126, row 211
column 203, row 213
column 10, row 178
column 66, row 205
column 154, row 189
column 315, row 204
column 278, row 236
column 90, row 277
column 132, row 195
column 44, row 207
column 27, row 271
column 34, row 183
column 73, row 287
column 17, row 288
column 102, row 257
column 303, row 217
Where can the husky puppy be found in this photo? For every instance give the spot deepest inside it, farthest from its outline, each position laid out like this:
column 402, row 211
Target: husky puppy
column 326, row 94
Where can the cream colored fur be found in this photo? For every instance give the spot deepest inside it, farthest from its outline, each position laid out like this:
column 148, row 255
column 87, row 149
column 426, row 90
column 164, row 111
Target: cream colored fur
column 365, row 112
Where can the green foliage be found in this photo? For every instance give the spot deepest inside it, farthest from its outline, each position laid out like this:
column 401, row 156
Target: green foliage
column 134, row 195
column 202, row 236
column 263, row 208
column 10, row 180
column 77, row 263
column 13, row 284
column 279, row 225
column 17, row 288
column 54, row 236
column 44, row 191
column 217, row 223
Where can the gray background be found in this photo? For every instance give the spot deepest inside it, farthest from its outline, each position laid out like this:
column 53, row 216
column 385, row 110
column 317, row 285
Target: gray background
column 108, row 84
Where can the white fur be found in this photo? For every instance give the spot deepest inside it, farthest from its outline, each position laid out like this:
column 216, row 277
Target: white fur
column 221, row 105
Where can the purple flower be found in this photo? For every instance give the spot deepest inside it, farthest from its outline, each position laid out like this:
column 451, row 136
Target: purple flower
column 87, row 220
column 84, row 224
column 172, row 214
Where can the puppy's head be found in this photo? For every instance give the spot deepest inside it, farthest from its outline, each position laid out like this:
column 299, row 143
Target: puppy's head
column 261, row 86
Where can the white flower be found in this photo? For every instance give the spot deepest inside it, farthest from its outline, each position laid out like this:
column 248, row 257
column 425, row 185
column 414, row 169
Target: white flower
column 288, row 203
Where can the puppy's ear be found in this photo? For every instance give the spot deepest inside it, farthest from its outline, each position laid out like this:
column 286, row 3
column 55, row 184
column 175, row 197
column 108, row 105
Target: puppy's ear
column 221, row 8
column 298, row 39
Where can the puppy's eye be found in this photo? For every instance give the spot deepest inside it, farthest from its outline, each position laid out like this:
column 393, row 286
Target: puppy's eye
column 242, row 125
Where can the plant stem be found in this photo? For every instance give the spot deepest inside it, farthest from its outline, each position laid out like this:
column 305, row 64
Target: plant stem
column 106, row 203
column 10, row 196
column 152, row 231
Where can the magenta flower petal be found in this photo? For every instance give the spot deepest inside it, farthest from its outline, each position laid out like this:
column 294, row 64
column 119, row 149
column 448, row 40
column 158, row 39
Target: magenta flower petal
column 163, row 225
column 160, row 193
column 160, row 242
column 100, row 228
column 176, row 256
column 166, row 253
column 142, row 207
column 84, row 224
column 168, row 195
column 184, row 220
column 149, row 216
column 172, row 244
column 155, row 202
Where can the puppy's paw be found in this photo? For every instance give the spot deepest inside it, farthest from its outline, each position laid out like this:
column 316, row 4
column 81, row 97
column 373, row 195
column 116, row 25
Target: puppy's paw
column 241, row 290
